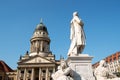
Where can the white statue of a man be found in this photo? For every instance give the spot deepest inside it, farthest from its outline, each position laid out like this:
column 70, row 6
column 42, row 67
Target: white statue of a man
column 77, row 36
column 63, row 72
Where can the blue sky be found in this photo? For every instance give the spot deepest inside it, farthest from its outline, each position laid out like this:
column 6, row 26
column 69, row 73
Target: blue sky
column 18, row 19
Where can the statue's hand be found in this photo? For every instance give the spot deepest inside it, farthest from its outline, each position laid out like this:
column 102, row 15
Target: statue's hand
column 67, row 71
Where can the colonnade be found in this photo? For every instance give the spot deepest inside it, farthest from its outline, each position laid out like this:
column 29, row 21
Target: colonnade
column 35, row 73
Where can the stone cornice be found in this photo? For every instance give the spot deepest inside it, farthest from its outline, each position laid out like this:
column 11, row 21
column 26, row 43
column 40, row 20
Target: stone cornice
column 30, row 65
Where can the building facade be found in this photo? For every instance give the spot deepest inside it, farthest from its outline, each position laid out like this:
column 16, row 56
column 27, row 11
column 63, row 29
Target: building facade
column 112, row 61
column 6, row 73
column 39, row 63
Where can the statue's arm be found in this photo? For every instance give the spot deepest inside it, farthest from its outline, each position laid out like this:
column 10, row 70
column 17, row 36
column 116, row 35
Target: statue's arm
column 79, row 21
column 67, row 71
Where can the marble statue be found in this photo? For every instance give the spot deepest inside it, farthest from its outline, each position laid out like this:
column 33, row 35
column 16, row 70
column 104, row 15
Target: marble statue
column 64, row 72
column 77, row 36
column 102, row 73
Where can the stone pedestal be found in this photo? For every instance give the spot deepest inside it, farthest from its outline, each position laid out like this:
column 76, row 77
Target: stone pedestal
column 81, row 66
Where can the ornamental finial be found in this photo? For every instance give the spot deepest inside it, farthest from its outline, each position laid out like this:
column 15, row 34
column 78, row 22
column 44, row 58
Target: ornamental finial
column 41, row 20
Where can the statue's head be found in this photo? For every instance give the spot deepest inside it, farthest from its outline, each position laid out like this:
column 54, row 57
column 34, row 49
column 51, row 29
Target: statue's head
column 75, row 13
column 102, row 62
column 63, row 64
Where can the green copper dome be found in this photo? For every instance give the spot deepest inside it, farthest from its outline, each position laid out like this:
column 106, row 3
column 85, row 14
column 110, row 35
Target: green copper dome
column 41, row 27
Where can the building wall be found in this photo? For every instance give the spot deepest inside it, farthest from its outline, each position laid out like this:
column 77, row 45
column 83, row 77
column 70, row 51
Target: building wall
column 2, row 75
column 6, row 73
column 11, row 75
column 41, row 73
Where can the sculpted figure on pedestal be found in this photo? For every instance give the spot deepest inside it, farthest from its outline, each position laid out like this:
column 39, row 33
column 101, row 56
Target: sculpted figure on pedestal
column 102, row 73
column 63, row 72
column 77, row 36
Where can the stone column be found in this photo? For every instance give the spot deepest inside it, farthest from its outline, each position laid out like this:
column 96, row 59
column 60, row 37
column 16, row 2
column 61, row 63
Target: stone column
column 53, row 69
column 41, row 46
column 40, row 73
column 24, row 78
column 32, row 75
column 34, row 48
column 46, row 73
column 18, row 74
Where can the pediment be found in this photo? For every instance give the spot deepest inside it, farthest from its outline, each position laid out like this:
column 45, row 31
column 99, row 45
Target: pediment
column 37, row 59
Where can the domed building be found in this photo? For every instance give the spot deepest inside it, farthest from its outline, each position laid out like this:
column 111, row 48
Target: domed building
column 38, row 63
column 40, row 42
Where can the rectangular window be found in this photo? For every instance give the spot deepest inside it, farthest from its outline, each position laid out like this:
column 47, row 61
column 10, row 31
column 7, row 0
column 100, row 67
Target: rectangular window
column 44, row 71
column 29, row 71
column 114, row 58
column 51, row 71
column 43, row 79
column 51, row 79
column 22, row 71
column 110, row 60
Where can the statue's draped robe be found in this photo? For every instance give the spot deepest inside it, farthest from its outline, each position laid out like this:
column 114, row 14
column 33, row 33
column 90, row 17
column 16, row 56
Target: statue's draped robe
column 77, row 35
column 101, row 73
column 62, row 75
